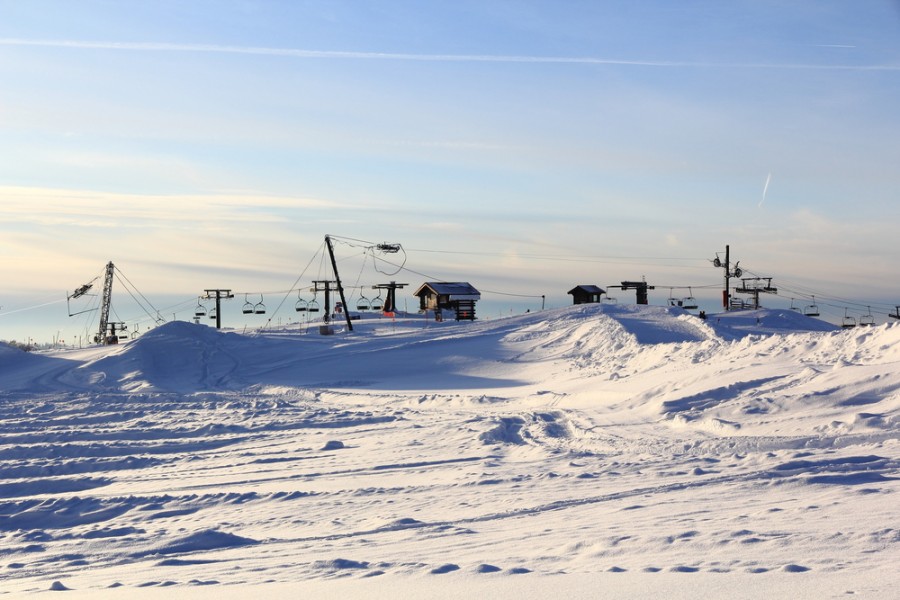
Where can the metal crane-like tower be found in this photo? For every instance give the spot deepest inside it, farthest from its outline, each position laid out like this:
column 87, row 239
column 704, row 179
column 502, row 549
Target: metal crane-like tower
column 102, row 337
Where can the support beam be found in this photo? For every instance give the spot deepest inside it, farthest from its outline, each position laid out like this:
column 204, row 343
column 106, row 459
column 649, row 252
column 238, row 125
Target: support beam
column 218, row 295
column 340, row 288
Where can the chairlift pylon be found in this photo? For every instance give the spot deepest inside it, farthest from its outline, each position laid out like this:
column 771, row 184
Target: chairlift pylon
column 895, row 314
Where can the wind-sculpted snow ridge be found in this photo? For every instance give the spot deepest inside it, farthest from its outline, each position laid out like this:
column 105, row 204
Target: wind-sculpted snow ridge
column 634, row 447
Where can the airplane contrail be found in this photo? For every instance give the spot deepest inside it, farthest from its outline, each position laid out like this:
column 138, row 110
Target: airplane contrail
column 765, row 189
column 494, row 58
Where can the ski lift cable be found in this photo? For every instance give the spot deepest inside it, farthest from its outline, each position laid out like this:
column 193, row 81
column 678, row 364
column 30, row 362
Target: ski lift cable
column 294, row 286
column 431, row 277
column 27, row 308
column 808, row 293
column 713, row 286
column 133, row 297
column 150, row 304
column 835, row 301
column 359, row 275
column 509, row 294
column 567, row 258
column 399, row 267
column 345, row 240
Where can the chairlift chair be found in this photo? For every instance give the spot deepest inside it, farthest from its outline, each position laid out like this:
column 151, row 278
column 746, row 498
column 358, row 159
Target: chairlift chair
column 200, row 311
column 609, row 300
column 377, row 303
column 301, row 305
column 867, row 320
column 811, row 310
column 363, row 303
column 672, row 301
column 248, row 306
column 212, row 314
column 259, row 308
column 313, row 306
column 689, row 302
column 848, row 322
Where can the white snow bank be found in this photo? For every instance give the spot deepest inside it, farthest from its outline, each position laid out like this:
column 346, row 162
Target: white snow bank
column 590, row 450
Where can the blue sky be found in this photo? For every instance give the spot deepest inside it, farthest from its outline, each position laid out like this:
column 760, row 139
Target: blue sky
column 214, row 144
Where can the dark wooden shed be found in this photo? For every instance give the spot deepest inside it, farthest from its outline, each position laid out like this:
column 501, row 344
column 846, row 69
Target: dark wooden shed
column 586, row 294
column 459, row 297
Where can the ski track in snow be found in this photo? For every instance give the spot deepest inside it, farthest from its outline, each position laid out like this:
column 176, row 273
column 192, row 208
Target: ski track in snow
column 591, row 439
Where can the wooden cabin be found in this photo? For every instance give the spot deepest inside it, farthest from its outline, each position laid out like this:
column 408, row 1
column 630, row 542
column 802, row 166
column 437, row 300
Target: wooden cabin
column 586, row 294
column 460, row 297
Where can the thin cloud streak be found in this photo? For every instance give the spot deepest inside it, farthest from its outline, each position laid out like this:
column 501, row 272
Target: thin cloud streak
column 486, row 58
column 765, row 190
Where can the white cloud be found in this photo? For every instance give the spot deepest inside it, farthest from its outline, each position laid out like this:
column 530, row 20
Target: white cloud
column 402, row 56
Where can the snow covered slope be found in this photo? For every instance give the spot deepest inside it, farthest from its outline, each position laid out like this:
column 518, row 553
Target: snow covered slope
column 631, row 450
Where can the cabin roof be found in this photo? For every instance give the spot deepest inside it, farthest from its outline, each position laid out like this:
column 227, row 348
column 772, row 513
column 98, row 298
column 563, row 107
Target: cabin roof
column 590, row 289
column 443, row 288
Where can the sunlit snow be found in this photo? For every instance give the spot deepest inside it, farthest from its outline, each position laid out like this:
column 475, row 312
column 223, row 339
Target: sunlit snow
column 589, row 451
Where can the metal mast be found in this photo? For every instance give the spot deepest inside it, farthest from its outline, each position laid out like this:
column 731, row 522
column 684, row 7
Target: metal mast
column 340, row 288
column 104, row 306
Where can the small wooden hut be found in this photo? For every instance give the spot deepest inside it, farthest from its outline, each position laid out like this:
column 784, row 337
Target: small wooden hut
column 586, row 294
column 459, row 297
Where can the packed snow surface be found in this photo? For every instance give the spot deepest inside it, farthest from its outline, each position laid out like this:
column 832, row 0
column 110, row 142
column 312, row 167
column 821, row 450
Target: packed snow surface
column 591, row 451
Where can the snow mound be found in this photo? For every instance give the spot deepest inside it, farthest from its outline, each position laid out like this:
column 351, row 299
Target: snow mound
column 201, row 541
column 174, row 356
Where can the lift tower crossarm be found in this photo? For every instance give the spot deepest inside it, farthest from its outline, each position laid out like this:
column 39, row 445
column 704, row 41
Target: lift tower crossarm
column 640, row 288
column 218, row 294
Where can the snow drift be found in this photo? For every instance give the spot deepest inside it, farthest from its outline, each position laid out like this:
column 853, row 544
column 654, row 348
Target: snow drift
column 607, row 441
